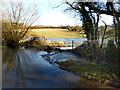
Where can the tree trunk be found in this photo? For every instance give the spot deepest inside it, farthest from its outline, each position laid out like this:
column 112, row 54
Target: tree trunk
column 116, row 34
column 96, row 27
column 118, row 50
column 92, row 31
column 103, row 35
column 87, row 23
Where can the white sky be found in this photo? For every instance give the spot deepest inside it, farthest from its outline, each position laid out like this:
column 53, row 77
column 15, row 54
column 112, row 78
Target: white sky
column 56, row 16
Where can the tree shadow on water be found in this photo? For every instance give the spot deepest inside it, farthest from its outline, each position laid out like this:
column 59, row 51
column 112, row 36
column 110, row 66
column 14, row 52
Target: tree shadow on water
column 15, row 67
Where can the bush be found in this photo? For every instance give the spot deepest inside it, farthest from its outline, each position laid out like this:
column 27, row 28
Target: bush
column 93, row 53
column 90, row 50
column 111, row 52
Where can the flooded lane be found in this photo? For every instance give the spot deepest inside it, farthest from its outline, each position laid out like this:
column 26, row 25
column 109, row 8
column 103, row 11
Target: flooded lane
column 27, row 69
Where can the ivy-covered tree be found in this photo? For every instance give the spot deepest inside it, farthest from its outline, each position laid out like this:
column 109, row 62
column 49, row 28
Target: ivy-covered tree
column 108, row 8
column 90, row 22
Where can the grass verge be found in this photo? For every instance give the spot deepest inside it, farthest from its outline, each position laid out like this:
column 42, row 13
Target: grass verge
column 91, row 71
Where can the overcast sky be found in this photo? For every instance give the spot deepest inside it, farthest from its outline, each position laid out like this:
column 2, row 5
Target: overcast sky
column 50, row 16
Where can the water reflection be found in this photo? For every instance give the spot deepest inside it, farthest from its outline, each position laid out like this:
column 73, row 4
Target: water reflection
column 16, row 64
column 27, row 69
column 11, row 66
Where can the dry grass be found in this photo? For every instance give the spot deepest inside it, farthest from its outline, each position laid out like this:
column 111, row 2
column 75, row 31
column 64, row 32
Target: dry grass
column 54, row 33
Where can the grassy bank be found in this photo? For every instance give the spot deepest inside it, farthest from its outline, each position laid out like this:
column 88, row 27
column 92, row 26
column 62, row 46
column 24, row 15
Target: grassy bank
column 55, row 33
column 3, row 46
column 91, row 71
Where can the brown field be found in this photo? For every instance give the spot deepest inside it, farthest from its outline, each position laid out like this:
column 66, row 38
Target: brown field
column 54, row 33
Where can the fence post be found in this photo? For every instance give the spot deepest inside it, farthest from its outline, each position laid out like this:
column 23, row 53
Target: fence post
column 72, row 44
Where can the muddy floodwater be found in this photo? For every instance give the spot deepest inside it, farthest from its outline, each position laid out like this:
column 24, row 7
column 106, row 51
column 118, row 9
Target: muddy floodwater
column 26, row 68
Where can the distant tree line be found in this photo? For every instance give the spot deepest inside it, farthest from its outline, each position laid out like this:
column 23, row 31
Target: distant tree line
column 48, row 27
column 74, row 28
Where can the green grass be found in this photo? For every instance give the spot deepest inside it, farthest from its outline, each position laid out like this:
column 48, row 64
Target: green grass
column 91, row 71
column 3, row 46
column 54, row 33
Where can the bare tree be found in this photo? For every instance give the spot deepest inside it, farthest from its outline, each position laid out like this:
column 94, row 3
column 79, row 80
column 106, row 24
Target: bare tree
column 16, row 22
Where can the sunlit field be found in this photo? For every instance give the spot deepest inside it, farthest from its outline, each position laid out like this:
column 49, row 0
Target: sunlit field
column 55, row 33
